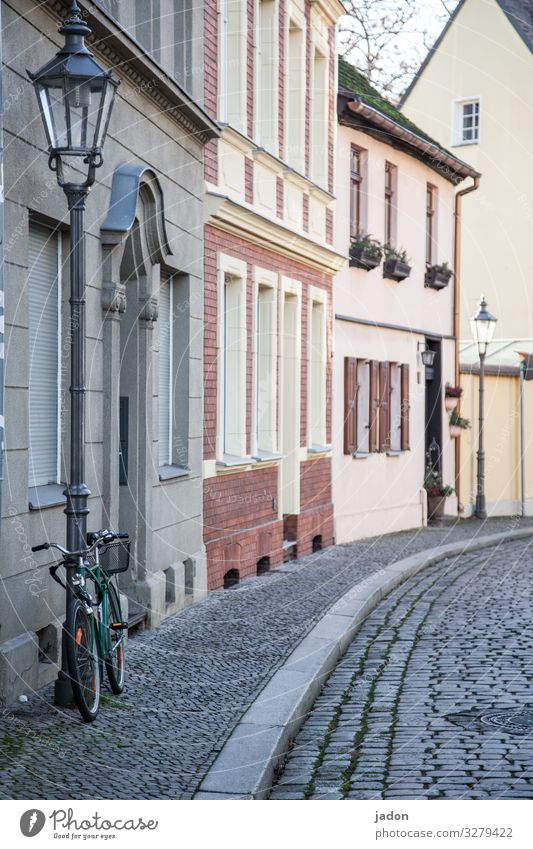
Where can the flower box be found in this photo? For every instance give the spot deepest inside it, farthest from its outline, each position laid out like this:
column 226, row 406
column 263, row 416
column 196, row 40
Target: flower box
column 396, row 269
column 437, row 277
column 365, row 258
column 436, row 505
column 450, row 403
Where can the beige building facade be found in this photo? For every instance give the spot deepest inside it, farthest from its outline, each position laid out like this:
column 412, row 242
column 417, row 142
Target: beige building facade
column 397, row 187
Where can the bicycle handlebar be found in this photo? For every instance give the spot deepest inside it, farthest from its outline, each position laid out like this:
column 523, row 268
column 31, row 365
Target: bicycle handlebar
column 104, row 535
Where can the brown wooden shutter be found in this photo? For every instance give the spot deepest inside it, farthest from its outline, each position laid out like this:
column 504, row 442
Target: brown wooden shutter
column 350, row 405
column 384, row 406
column 405, row 407
column 373, row 435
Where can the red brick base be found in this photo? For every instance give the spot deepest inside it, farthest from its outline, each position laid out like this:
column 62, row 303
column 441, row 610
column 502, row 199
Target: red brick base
column 242, row 550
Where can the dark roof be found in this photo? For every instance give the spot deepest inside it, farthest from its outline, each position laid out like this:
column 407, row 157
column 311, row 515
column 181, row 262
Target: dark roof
column 365, row 109
column 518, row 12
column 354, row 82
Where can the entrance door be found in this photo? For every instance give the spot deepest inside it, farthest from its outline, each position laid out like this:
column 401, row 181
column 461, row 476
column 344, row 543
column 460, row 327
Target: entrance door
column 434, row 407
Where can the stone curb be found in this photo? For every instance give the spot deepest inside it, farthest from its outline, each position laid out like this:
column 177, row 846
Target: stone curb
column 244, row 768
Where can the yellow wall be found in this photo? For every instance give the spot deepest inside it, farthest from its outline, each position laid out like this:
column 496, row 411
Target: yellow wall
column 502, row 443
column 483, row 56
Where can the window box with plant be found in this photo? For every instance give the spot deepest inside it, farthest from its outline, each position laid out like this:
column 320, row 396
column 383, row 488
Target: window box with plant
column 437, row 493
column 438, row 276
column 365, row 252
column 458, row 424
column 396, row 265
column 452, row 395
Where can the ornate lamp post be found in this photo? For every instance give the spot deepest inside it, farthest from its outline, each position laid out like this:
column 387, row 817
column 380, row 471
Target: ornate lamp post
column 483, row 326
column 75, row 98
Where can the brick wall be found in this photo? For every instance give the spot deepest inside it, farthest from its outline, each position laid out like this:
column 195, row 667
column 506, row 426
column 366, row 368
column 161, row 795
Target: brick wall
column 210, row 83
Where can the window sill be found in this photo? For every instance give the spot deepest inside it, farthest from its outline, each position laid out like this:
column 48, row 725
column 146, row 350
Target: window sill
column 465, row 143
column 230, row 460
column 394, row 453
column 167, row 473
column 319, row 449
column 361, row 455
column 266, row 456
column 48, row 495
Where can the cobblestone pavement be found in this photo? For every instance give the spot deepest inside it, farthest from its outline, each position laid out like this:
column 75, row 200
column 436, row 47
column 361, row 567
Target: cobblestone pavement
column 190, row 681
column 399, row 717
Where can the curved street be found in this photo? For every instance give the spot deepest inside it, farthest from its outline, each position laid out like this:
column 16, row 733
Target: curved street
column 433, row 698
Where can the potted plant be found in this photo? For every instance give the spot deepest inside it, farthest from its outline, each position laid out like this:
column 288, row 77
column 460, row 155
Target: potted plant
column 396, row 265
column 437, row 494
column 365, row 252
column 451, row 396
column 438, row 276
column 457, row 424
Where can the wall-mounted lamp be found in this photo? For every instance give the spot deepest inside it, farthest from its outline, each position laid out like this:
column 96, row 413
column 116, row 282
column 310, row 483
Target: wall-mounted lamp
column 427, row 355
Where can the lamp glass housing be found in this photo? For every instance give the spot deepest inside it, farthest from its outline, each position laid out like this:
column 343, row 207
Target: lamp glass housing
column 483, row 325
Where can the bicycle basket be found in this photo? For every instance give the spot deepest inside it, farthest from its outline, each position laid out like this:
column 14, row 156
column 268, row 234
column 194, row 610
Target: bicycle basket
column 115, row 557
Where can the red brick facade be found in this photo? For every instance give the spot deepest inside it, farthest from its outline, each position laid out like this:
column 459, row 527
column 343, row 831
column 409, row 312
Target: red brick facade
column 242, row 521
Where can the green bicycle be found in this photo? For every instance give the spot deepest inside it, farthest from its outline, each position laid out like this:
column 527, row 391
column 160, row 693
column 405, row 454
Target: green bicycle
column 94, row 630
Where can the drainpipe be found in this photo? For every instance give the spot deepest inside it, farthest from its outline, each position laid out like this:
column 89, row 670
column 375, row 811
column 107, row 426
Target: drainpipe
column 1, row 270
column 456, row 325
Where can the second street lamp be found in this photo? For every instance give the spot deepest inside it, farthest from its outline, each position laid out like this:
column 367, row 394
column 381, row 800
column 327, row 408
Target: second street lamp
column 75, row 98
column 483, row 325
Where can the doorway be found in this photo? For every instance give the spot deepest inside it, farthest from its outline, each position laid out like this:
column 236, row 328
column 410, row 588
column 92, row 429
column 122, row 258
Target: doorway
column 433, row 423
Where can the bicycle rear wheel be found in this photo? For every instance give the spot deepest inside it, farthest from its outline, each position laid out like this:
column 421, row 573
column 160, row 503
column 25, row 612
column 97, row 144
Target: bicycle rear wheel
column 83, row 660
column 115, row 662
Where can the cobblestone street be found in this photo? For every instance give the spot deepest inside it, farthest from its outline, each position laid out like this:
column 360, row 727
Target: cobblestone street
column 453, row 638
column 400, row 716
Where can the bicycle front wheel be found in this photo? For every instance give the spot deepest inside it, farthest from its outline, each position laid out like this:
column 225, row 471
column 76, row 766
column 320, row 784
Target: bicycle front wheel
column 83, row 660
column 115, row 662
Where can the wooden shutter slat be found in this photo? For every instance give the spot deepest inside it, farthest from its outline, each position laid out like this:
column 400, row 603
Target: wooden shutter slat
column 405, row 407
column 350, row 405
column 384, row 406
column 373, row 436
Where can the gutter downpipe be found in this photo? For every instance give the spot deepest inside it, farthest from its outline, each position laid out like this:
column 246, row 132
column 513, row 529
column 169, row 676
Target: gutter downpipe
column 456, row 325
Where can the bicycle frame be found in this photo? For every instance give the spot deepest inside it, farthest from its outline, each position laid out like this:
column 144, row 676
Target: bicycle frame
column 100, row 617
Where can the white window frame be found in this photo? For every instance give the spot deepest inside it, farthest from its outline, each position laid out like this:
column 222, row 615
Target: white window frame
column 232, row 42
column 316, row 394
column 263, row 447
column 457, row 121
column 295, row 103
column 289, row 478
column 319, row 118
column 363, row 406
column 167, row 280
column 266, row 130
column 230, row 267
column 58, row 236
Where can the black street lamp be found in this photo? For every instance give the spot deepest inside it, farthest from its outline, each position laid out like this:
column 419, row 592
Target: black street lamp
column 75, row 97
column 483, row 326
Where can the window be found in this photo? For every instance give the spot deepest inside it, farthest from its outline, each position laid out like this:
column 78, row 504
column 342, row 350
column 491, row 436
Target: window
column 44, row 304
column 265, row 369
column 376, row 406
column 431, row 224
column 173, row 374
column 232, row 64
column 231, row 436
column 316, row 381
column 267, row 75
column 295, row 106
column 148, row 25
column 357, row 157
column 465, row 121
column 319, row 119
column 183, row 43
column 165, row 328
column 390, row 203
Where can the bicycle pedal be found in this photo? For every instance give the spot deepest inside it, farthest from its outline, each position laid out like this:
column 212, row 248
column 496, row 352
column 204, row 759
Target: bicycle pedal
column 118, row 626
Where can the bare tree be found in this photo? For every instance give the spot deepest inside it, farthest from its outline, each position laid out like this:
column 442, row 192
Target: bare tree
column 387, row 40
